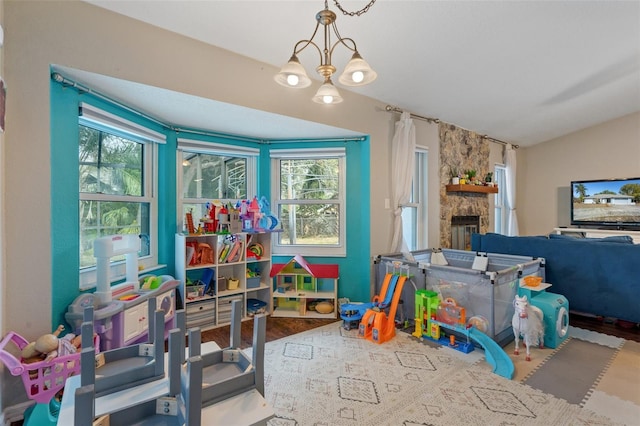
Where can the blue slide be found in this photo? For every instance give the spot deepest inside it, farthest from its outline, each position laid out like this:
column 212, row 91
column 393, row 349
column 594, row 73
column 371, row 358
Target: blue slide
column 493, row 353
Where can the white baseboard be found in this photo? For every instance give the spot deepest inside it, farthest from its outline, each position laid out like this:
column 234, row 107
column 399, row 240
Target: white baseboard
column 14, row 413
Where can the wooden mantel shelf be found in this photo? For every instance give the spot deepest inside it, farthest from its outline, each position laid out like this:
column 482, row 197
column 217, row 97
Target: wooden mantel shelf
column 473, row 188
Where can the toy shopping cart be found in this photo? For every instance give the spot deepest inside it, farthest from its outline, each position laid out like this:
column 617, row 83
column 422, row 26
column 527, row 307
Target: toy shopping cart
column 42, row 380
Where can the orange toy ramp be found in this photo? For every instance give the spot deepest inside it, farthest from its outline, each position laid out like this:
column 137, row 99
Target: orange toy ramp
column 366, row 324
column 380, row 301
column 384, row 326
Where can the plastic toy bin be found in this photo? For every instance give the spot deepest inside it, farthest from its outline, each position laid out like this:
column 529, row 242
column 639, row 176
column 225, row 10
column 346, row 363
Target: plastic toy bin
column 253, row 282
column 487, row 296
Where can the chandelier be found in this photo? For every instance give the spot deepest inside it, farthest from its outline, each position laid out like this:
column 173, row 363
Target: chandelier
column 356, row 73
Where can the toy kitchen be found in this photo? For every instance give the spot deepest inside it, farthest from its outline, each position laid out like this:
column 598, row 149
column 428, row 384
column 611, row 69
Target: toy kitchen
column 121, row 312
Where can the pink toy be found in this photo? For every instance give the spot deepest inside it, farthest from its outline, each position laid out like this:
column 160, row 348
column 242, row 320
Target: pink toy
column 253, row 213
column 527, row 322
column 43, row 379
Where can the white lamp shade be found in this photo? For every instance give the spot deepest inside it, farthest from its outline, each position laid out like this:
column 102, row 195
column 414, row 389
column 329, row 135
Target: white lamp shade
column 327, row 94
column 293, row 75
column 357, row 72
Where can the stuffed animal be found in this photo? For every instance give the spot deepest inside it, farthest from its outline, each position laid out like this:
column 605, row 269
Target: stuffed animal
column 42, row 346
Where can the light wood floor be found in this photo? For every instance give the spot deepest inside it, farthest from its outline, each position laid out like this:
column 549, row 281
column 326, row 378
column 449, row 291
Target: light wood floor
column 277, row 328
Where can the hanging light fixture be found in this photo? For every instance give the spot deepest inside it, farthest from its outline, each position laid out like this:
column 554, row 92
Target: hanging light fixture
column 356, row 73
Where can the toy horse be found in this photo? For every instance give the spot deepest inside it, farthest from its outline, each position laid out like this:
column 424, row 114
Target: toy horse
column 527, row 322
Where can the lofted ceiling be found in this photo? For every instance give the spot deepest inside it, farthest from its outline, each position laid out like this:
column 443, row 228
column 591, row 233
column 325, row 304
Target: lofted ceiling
column 519, row 71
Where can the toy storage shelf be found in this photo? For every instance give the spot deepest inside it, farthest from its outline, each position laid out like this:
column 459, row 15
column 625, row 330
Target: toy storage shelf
column 473, row 188
column 299, row 286
column 217, row 265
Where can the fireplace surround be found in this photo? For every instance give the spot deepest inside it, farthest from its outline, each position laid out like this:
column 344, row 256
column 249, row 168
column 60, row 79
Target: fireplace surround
column 462, row 227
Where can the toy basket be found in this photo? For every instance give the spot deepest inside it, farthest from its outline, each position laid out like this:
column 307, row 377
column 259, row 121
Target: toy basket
column 43, row 379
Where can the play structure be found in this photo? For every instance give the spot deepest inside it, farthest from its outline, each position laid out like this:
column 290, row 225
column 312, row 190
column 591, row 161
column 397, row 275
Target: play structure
column 376, row 319
column 378, row 325
column 352, row 313
column 121, row 311
column 444, row 322
column 460, row 299
column 481, row 282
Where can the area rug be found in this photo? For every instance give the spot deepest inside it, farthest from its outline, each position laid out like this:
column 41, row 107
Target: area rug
column 329, row 376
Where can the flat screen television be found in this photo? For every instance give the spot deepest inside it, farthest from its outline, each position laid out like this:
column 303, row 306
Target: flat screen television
column 608, row 203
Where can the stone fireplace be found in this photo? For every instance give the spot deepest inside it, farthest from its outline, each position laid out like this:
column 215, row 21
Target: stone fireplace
column 463, row 150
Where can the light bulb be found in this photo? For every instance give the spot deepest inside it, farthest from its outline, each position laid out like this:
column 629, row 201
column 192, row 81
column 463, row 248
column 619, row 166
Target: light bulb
column 357, row 76
column 292, row 80
column 327, row 99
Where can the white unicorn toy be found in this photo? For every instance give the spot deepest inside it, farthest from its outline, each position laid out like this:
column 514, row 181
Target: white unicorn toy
column 527, row 322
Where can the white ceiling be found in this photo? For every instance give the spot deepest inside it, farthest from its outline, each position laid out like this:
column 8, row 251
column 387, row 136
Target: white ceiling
column 519, row 71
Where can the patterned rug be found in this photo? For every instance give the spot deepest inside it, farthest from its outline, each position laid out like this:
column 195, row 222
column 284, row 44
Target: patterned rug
column 329, row 376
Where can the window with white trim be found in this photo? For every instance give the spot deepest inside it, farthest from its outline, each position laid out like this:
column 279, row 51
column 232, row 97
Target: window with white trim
column 309, row 193
column 117, row 191
column 500, row 209
column 414, row 214
column 212, row 172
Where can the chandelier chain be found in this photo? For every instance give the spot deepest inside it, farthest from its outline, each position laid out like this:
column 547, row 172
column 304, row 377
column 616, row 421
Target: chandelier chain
column 356, row 13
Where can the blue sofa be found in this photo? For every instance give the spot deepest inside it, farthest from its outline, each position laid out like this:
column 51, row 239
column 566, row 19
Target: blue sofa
column 599, row 276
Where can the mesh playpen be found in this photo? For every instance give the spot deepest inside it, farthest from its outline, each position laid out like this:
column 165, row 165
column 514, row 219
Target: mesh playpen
column 484, row 284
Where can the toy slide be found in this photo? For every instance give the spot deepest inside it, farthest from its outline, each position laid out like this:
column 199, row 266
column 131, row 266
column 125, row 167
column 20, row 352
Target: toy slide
column 367, row 311
column 493, row 353
column 384, row 326
column 355, row 311
column 386, row 292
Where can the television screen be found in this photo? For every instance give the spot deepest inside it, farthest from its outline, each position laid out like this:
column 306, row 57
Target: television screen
column 606, row 202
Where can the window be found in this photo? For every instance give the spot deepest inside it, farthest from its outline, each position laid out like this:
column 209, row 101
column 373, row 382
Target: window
column 116, row 190
column 308, row 188
column 500, row 210
column 414, row 214
column 208, row 172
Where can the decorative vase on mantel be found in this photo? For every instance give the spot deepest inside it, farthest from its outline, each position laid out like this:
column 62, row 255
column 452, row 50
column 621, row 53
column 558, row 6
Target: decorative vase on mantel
column 455, row 180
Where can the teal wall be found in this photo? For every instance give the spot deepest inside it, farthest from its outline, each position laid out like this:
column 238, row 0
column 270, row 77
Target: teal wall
column 65, row 101
column 65, row 224
column 355, row 267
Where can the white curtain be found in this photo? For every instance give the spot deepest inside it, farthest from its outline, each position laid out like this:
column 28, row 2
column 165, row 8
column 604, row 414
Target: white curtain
column 402, row 166
column 510, row 177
